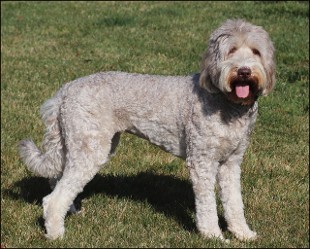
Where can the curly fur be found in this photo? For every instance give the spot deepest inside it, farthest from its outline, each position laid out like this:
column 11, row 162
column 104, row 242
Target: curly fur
column 205, row 118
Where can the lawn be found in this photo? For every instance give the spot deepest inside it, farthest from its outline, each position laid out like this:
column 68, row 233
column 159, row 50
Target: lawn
column 143, row 196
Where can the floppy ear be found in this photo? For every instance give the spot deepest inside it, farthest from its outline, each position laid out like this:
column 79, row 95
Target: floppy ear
column 270, row 69
column 207, row 71
column 270, row 84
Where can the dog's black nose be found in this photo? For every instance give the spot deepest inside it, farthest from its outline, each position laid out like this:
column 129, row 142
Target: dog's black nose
column 244, row 72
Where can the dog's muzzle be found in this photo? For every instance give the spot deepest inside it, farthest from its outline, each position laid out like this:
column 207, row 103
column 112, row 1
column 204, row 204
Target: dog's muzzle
column 244, row 87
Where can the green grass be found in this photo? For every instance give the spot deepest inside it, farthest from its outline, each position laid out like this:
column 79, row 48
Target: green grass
column 143, row 197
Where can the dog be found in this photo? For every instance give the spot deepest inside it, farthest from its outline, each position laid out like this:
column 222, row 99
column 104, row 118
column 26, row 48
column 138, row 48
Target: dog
column 205, row 118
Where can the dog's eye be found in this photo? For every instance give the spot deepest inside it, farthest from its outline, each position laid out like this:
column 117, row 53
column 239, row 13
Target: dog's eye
column 255, row 51
column 232, row 50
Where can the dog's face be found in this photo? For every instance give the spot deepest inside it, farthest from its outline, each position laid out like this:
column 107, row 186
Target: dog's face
column 239, row 62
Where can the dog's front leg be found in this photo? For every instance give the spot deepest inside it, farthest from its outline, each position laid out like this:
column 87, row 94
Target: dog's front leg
column 203, row 175
column 229, row 182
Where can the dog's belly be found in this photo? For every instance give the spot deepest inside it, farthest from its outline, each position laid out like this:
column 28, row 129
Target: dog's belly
column 163, row 135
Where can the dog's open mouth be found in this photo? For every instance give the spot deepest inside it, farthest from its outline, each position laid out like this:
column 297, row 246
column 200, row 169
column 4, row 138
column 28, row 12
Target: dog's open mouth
column 243, row 88
column 244, row 91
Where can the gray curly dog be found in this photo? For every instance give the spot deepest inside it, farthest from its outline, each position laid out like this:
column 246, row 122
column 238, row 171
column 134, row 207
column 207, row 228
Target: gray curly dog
column 205, row 119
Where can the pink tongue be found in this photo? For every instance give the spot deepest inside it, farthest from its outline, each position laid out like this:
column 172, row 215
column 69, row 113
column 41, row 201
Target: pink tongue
column 242, row 91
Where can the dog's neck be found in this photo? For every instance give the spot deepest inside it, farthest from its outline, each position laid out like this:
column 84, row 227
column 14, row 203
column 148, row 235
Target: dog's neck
column 228, row 110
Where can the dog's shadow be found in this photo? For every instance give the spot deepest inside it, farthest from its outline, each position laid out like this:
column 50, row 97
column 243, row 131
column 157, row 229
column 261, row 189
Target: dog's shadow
column 167, row 194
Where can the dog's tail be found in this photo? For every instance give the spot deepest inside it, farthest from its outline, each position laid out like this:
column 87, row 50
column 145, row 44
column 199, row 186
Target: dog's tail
column 50, row 163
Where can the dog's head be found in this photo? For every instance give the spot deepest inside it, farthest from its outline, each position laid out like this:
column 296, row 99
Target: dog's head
column 239, row 62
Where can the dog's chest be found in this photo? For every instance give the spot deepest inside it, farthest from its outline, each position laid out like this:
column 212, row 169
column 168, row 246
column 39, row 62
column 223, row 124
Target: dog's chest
column 220, row 135
column 229, row 138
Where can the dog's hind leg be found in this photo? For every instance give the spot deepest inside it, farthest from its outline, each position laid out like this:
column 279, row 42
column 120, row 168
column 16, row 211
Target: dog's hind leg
column 85, row 155
column 75, row 207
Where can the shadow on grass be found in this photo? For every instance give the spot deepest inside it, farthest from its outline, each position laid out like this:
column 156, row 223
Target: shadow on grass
column 167, row 194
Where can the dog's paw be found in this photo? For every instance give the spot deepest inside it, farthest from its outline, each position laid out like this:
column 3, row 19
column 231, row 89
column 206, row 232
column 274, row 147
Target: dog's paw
column 53, row 234
column 217, row 235
column 246, row 235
